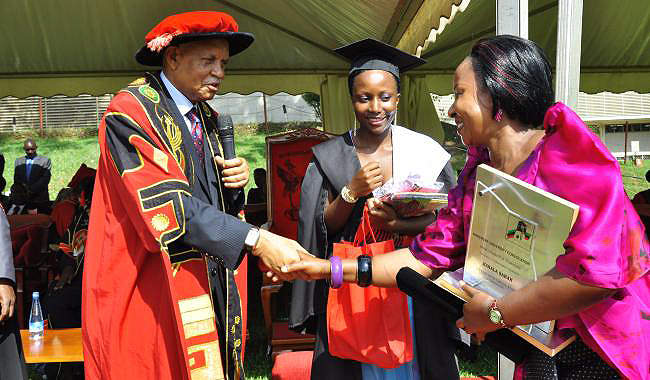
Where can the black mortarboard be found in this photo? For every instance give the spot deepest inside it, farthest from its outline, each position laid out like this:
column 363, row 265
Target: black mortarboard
column 370, row 54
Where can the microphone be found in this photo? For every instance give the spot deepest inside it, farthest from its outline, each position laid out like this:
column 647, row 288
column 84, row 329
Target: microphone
column 226, row 135
column 422, row 289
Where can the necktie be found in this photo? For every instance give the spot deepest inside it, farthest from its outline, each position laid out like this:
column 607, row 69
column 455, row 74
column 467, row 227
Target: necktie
column 28, row 168
column 197, row 132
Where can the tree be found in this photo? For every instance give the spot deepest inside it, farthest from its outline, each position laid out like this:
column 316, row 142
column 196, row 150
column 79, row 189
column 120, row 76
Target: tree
column 314, row 101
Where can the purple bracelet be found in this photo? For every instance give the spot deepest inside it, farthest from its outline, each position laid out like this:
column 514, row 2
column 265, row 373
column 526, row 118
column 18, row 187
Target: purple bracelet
column 336, row 272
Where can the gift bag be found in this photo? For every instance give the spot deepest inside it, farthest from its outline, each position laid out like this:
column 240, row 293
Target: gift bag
column 370, row 324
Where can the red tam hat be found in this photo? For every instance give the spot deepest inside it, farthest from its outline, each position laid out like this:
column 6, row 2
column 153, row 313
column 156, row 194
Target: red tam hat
column 191, row 26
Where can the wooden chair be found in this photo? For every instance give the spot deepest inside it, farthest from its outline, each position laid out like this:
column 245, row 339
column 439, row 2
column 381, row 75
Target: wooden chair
column 33, row 266
column 287, row 155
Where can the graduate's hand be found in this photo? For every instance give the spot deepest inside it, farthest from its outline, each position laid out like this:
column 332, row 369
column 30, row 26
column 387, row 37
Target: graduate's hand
column 276, row 252
column 367, row 179
column 7, row 299
column 475, row 318
column 309, row 269
column 382, row 215
column 234, row 173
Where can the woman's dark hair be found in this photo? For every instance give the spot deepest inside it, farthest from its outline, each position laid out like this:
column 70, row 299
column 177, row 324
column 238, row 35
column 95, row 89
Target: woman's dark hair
column 353, row 76
column 517, row 75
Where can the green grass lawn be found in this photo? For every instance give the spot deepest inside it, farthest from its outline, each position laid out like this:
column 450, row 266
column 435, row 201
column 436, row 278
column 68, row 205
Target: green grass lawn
column 68, row 153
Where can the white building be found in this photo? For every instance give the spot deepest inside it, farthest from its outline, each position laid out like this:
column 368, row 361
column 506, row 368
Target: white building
column 607, row 114
column 249, row 109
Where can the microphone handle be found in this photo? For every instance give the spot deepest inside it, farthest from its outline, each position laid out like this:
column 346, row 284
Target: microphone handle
column 228, row 146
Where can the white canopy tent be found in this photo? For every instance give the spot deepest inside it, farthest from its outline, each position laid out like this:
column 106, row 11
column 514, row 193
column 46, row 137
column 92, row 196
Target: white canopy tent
column 75, row 46
column 81, row 46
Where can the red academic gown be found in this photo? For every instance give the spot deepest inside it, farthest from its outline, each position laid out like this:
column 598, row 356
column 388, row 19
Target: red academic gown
column 147, row 307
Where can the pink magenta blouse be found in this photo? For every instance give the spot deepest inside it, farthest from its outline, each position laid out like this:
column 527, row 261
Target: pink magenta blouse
column 606, row 247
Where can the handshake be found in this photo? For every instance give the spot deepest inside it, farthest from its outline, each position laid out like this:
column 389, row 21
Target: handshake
column 287, row 260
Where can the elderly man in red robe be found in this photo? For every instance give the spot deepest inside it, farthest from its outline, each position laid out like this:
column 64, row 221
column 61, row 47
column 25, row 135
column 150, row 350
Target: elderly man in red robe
column 159, row 300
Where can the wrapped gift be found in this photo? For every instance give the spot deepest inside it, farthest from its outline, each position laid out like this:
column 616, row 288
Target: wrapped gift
column 413, row 196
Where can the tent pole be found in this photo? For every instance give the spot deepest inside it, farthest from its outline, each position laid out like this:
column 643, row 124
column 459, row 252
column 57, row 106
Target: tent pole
column 266, row 119
column 567, row 63
column 512, row 18
column 627, row 124
column 40, row 115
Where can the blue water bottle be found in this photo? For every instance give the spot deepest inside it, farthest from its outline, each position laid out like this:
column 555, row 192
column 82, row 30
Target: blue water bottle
column 36, row 327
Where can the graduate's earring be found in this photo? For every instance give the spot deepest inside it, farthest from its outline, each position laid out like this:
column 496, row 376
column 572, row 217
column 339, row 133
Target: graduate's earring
column 499, row 116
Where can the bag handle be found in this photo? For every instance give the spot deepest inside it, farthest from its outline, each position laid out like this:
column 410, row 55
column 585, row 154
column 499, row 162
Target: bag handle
column 365, row 220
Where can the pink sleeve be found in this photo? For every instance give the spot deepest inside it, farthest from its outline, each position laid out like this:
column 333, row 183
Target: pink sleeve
column 443, row 243
column 607, row 245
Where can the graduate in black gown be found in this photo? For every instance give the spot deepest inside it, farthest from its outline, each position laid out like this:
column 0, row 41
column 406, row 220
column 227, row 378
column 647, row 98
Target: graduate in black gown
column 337, row 184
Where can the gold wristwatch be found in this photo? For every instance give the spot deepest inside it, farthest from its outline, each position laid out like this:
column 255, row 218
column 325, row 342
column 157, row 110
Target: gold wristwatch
column 347, row 195
column 495, row 315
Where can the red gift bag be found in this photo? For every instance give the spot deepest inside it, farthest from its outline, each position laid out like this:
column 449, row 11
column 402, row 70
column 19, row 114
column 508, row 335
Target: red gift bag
column 371, row 324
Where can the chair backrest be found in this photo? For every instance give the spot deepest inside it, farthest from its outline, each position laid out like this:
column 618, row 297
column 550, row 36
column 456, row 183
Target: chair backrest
column 287, row 157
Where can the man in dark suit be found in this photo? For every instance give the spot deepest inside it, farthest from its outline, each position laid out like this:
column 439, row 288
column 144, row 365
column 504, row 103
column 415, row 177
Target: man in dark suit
column 159, row 300
column 32, row 175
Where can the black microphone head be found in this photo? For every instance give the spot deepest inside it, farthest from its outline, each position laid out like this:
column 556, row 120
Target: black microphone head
column 224, row 125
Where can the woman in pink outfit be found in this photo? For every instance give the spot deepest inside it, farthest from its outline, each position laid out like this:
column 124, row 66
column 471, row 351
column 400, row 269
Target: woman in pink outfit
column 600, row 286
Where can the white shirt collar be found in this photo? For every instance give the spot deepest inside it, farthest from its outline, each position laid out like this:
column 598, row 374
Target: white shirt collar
column 182, row 103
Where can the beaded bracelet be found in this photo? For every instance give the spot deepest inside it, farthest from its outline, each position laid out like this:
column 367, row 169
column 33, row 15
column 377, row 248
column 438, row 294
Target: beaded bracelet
column 364, row 270
column 336, row 272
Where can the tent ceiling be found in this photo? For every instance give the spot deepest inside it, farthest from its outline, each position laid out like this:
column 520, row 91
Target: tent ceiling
column 78, row 46
column 88, row 46
column 615, row 52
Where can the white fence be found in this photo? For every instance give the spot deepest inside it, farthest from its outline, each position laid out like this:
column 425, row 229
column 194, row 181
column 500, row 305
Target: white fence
column 82, row 111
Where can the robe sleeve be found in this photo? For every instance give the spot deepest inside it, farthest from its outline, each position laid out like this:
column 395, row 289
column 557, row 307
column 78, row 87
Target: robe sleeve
column 156, row 196
column 607, row 246
column 443, row 243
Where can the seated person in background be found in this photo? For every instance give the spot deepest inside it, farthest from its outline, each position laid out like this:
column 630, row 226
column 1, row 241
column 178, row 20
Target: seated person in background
column 258, row 194
column 4, row 200
column 641, row 202
column 3, row 181
column 63, row 301
column 32, row 175
column 256, row 201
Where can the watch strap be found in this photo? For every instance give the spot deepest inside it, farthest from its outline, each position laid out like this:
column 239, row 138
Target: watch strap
column 252, row 237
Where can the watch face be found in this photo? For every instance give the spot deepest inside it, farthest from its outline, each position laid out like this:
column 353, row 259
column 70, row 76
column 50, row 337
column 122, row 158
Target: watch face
column 495, row 316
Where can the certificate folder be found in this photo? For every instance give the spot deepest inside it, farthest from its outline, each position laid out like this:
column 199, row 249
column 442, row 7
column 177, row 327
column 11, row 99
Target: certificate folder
column 422, row 289
column 517, row 231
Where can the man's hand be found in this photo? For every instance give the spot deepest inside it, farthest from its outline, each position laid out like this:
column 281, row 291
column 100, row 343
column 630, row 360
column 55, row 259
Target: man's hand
column 7, row 299
column 234, row 173
column 277, row 252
